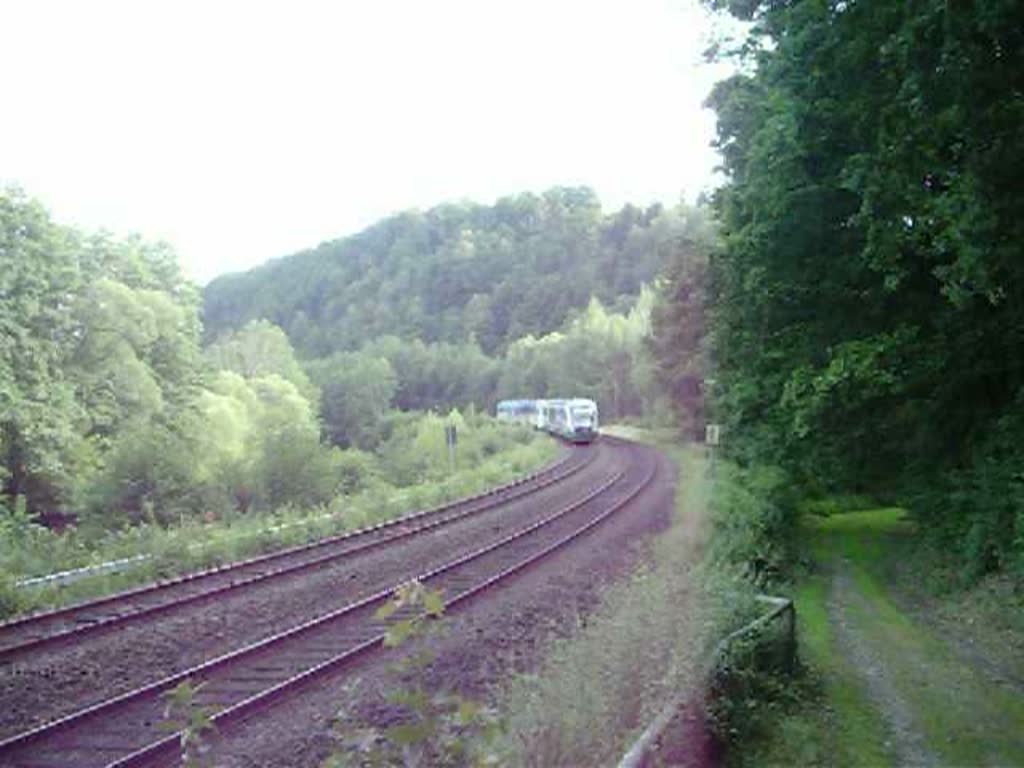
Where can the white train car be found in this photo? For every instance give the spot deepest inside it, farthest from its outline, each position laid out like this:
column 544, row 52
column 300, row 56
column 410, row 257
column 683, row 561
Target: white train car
column 574, row 419
column 518, row 412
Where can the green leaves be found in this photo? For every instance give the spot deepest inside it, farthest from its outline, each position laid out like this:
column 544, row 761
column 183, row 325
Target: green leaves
column 104, row 403
column 413, row 595
column 434, row 728
column 99, row 336
column 433, row 603
column 257, row 350
column 358, row 390
column 182, row 714
column 455, row 274
column 868, row 300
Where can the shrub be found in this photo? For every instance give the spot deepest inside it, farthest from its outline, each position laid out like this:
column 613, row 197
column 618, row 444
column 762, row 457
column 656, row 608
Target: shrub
column 356, row 470
column 978, row 511
column 754, row 520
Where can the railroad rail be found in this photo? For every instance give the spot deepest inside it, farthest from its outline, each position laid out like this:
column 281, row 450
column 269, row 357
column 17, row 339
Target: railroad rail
column 72, row 623
column 126, row 730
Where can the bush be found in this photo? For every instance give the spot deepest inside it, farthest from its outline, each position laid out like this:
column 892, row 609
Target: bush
column 356, row 470
column 754, row 517
column 150, row 467
column 978, row 512
column 599, row 687
column 750, row 683
column 12, row 600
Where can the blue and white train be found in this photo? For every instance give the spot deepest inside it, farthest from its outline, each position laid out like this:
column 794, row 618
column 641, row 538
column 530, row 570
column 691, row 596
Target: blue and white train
column 574, row 419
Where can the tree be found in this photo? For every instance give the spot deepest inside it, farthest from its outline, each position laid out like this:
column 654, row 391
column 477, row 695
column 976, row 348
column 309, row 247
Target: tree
column 357, row 392
column 258, row 349
column 38, row 412
column 678, row 340
column 868, row 314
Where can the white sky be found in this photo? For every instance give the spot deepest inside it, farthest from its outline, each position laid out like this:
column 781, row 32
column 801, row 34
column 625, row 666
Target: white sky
column 239, row 131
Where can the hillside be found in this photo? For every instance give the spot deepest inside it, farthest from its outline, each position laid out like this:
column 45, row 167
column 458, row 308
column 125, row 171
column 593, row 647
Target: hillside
column 455, row 273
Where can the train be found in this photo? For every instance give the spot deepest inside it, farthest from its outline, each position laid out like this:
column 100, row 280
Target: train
column 574, row 419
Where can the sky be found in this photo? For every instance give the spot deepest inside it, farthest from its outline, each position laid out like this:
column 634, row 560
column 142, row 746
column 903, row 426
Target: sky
column 241, row 131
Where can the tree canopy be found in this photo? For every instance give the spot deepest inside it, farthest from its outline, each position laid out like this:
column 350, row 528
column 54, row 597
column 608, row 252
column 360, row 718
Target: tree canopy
column 107, row 404
column 456, row 273
column 867, row 298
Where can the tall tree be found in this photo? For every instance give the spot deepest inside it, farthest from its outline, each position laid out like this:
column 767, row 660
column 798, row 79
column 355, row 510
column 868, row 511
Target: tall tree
column 868, row 320
column 39, row 277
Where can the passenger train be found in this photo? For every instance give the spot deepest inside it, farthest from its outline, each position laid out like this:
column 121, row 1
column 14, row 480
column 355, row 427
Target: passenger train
column 574, row 419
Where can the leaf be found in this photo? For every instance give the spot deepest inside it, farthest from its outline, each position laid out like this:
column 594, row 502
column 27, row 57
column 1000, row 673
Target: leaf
column 415, row 699
column 433, row 603
column 467, row 712
column 386, row 611
column 408, row 733
column 398, row 633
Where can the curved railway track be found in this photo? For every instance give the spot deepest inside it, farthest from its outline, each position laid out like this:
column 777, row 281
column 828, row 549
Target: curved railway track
column 125, row 730
column 72, row 623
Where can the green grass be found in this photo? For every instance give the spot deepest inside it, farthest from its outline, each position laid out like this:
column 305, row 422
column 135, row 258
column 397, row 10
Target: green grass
column 966, row 719
column 826, row 720
column 963, row 717
column 647, row 642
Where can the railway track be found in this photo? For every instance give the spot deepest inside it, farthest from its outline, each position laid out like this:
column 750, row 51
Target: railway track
column 125, row 730
column 73, row 623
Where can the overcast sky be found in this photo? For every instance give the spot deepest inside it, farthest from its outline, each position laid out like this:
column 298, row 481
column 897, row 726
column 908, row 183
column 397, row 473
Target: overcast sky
column 239, row 131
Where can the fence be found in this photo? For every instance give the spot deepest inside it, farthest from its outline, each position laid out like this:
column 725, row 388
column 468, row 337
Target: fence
column 126, row 563
column 782, row 609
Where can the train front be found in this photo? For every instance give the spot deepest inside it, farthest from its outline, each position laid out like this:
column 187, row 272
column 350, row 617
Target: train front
column 582, row 421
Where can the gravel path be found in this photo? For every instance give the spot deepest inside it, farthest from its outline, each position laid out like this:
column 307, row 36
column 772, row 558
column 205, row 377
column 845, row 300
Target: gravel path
column 907, row 741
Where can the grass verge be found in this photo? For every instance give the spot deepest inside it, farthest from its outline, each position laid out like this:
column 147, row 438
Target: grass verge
column 598, row 689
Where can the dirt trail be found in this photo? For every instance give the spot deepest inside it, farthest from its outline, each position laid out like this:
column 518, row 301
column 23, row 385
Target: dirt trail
column 907, row 740
column 929, row 704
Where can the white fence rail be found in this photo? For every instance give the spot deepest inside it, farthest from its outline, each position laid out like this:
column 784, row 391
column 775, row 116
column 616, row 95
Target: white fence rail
column 642, row 748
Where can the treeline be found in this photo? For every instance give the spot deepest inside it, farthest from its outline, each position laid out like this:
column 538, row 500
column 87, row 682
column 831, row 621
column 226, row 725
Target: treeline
column 457, row 273
column 110, row 408
column 107, row 403
column 868, row 301
column 598, row 354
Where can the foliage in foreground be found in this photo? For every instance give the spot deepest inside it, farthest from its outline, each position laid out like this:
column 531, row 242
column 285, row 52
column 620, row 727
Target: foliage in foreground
column 753, row 522
column 868, row 297
column 432, row 728
column 192, row 720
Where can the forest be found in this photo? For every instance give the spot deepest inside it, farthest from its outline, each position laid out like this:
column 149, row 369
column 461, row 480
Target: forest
column 535, row 296
column 459, row 273
column 866, row 298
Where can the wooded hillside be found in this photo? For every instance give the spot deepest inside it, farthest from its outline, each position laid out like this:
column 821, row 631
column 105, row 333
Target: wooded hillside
column 455, row 273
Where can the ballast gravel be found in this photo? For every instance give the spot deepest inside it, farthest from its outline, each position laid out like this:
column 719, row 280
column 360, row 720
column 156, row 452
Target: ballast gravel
column 44, row 685
column 500, row 633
